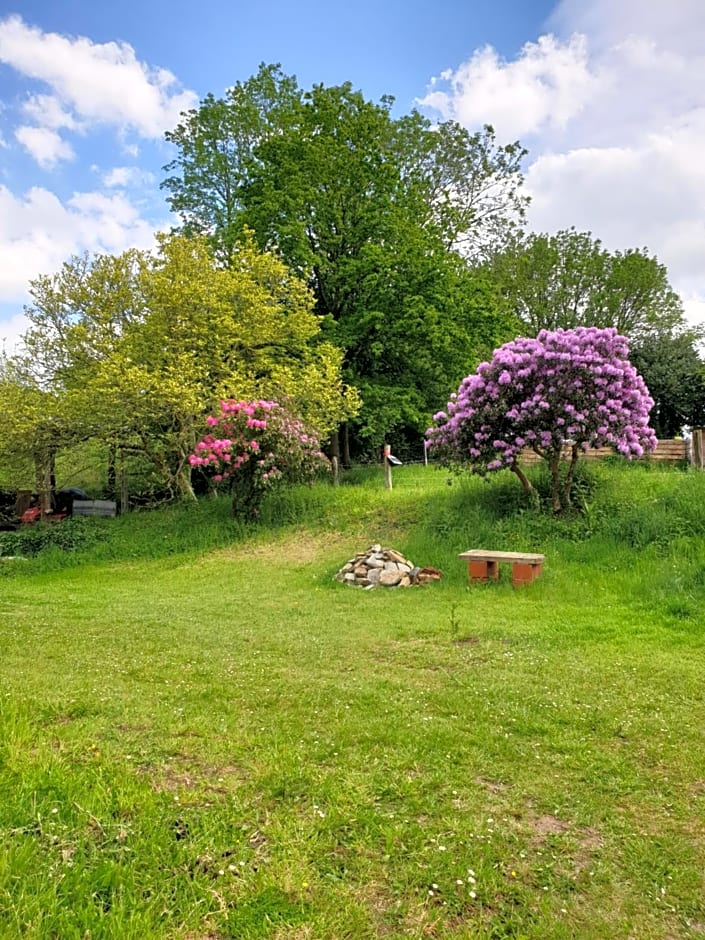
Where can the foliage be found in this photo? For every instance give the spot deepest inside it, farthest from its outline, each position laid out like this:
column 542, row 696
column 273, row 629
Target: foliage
column 138, row 347
column 574, row 387
column 674, row 372
column 260, row 445
column 74, row 534
column 378, row 214
column 33, row 428
column 568, row 280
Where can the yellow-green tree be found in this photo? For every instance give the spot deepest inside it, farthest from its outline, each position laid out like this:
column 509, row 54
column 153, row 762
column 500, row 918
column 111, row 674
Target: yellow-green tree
column 32, row 431
column 141, row 346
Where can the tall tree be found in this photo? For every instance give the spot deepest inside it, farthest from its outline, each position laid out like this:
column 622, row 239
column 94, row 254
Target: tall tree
column 216, row 146
column 361, row 204
column 568, row 280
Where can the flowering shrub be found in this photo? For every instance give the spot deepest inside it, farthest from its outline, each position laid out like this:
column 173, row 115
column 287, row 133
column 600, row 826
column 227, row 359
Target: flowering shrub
column 574, row 387
column 256, row 445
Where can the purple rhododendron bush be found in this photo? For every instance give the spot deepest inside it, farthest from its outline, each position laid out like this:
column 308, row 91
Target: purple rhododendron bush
column 568, row 387
column 255, row 446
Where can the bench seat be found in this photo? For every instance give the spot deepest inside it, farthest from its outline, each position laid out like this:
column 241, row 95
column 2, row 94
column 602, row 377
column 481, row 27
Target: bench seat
column 483, row 565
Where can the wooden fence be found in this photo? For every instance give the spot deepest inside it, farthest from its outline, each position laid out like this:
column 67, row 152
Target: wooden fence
column 666, row 452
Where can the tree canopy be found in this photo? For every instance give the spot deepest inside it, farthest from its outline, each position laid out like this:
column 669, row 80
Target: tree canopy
column 380, row 216
column 139, row 347
column 675, row 374
column 569, row 280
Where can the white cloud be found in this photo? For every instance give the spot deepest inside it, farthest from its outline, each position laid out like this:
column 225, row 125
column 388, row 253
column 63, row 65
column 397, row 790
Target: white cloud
column 676, row 24
column 548, row 84
column 47, row 111
column 98, row 82
column 612, row 110
column 44, row 145
column 125, row 176
column 11, row 331
column 38, row 233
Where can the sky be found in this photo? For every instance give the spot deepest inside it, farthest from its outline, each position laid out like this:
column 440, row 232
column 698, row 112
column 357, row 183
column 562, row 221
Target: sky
column 608, row 96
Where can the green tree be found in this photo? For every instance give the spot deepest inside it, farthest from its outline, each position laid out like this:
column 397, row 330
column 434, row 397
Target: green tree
column 365, row 207
column 675, row 375
column 569, row 280
column 216, row 146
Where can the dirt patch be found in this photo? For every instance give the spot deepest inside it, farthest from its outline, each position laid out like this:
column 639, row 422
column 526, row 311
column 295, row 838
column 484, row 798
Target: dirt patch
column 548, row 825
column 493, row 786
column 589, row 844
column 294, row 548
column 171, row 778
column 304, row 932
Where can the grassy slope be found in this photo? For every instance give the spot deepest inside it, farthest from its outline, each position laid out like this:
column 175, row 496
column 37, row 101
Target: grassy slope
column 223, row 742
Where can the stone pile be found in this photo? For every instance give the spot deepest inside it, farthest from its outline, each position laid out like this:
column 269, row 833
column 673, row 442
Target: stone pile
column 385, row 567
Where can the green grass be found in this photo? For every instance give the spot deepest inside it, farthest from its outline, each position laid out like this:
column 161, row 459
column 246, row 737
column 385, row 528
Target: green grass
column 203, row 736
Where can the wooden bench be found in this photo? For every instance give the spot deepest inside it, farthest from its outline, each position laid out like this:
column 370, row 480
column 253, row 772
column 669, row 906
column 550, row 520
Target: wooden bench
column 484, row 566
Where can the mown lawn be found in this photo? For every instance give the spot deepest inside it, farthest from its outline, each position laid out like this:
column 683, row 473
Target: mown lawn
column 208, row 742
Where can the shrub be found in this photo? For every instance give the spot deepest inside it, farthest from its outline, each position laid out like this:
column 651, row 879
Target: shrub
column 574, row 387
column 260, row 445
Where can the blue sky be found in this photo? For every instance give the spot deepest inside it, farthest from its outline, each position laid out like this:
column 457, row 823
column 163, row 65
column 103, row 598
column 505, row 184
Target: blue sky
column 608, row 97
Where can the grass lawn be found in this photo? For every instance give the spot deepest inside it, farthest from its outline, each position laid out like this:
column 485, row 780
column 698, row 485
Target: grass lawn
column 204, row 736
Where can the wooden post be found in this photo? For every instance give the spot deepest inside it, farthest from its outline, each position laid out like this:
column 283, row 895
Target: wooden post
column 697, row 448
column 387, row 467
column 425, row 453
column 336, row 470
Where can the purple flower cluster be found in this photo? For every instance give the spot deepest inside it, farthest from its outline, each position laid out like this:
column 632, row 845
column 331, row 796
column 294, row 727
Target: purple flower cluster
column 573, row 386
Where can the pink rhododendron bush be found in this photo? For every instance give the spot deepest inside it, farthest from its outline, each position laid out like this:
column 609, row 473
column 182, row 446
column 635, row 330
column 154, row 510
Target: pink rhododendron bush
column 255, row 446
column 568, row 387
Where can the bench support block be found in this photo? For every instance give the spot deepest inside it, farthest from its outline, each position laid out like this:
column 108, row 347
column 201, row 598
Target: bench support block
column 483, row 571
column 524, row 574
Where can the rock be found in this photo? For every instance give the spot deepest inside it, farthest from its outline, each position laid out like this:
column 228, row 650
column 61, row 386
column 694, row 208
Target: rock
column 390, row 578
column 384, row 566
column 428, row 574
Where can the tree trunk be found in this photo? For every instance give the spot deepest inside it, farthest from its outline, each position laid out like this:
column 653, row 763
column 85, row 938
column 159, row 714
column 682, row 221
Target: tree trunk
column 334, row 445
column 345, row 446
column 112, row 474
column 523, row 479
column 568, row 484
column 182, row 484
column 42, row 463
column 526, row 483
column 555, row 468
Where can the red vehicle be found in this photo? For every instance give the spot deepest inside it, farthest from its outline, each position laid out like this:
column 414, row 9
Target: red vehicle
column 61, row 507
